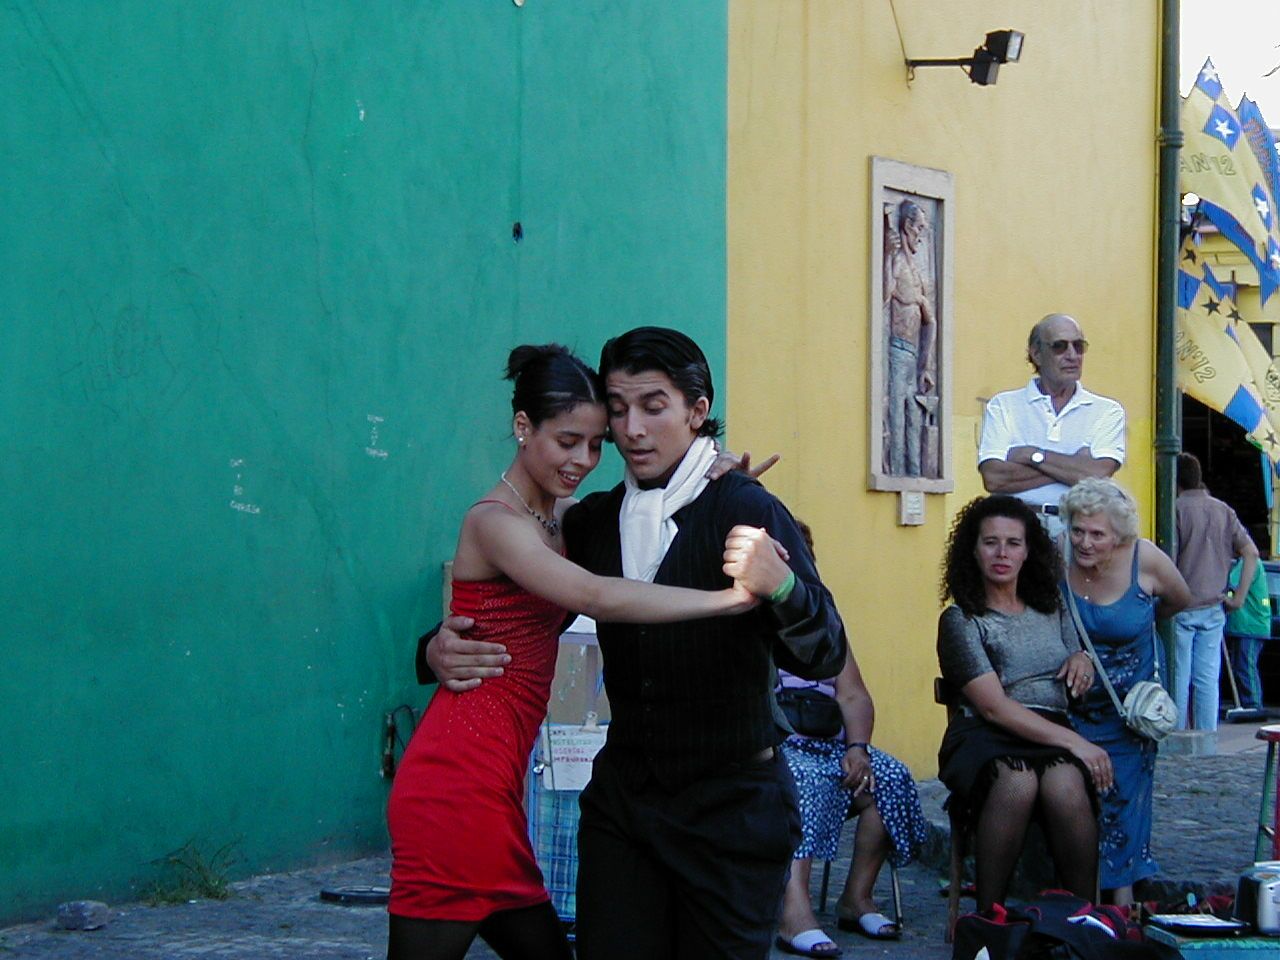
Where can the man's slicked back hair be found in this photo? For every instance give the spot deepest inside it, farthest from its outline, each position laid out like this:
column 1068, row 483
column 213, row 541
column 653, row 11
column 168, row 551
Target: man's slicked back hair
column 666, row 351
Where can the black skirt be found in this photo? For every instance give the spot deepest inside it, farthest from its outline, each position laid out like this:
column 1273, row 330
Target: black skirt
column 971, row 747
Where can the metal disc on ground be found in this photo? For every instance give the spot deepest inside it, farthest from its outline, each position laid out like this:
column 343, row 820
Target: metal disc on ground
column 356, row 896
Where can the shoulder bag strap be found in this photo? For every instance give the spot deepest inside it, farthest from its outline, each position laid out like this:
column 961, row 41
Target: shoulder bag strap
column 1155, row 639
column 1155, row 655
column 1084, row 634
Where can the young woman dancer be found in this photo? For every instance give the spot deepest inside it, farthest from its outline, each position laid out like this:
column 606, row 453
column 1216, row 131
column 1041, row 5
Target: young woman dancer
column 462, row 864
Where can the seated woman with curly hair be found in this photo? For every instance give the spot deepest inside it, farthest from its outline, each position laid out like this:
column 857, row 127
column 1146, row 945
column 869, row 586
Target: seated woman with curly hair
column 1010, row 650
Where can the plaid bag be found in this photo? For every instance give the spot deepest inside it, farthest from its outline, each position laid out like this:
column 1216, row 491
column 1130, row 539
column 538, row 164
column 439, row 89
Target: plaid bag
column 553, row 831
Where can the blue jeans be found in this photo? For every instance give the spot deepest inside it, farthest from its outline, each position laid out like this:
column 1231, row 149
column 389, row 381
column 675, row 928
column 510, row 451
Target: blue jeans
column 1196, row 664
column 1244, row 664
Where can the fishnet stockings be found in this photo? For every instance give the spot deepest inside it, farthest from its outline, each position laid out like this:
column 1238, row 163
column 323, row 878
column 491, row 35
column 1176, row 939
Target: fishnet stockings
column 1069, row 825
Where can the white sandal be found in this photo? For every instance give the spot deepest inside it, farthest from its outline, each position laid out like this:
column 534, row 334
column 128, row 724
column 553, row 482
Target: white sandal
column 806, row 943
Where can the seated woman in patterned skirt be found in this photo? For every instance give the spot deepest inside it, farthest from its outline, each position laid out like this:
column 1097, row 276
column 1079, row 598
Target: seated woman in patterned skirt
column 837, row 778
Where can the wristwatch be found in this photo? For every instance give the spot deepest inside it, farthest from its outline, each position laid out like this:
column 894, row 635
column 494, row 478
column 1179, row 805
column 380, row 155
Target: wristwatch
column 1038, row 457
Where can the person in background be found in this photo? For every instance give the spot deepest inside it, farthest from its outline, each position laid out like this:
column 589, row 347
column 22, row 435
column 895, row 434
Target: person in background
column 1247, row 627
column 1009, row 650
column 839, row 777
column 1210, row 537
column 1121, row 585
column 1040, row 439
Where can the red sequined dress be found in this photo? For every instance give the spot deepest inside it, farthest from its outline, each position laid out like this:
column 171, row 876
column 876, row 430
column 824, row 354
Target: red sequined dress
column 459, row 836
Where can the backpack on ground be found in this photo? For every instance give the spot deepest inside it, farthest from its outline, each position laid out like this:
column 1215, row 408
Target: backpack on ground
column 1055, row 926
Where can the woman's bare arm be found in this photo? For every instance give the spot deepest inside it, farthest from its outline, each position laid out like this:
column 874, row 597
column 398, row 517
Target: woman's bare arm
column 859, row 714
column 511, row 545
column 856, row 706
column 995, row 706
column 1170, row 588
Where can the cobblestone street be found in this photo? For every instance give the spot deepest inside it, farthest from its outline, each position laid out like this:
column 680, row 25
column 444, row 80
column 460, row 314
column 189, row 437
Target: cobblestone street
column 1206, row 817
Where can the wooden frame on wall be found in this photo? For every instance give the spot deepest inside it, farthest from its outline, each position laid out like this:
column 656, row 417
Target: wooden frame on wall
column 910, row 327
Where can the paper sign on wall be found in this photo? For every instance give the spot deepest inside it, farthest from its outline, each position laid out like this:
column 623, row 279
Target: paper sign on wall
column 569, row 750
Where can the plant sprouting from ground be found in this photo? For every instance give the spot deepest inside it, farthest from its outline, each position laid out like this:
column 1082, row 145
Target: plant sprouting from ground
column 189, row 873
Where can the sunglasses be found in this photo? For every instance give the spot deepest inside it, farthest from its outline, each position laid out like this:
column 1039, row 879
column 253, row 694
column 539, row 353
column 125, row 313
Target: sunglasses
column 1059, row 347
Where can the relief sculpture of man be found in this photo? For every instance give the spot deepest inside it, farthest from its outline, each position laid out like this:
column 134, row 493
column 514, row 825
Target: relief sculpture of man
column 912, row 371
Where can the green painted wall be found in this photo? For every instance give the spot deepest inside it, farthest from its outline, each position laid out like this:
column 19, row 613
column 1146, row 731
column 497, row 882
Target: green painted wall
column 234, row 239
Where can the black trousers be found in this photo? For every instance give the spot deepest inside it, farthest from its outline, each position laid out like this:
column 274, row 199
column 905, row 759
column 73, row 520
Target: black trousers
column 695, row 873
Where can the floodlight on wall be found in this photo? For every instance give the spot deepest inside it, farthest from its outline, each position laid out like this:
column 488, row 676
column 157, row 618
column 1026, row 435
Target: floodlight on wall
column 1000, row 46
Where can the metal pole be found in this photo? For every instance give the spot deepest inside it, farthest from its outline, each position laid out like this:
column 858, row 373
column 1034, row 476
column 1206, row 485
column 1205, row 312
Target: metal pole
column 1168, row 439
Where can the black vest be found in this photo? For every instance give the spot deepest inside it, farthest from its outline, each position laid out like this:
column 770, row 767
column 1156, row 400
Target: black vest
column 692, row 697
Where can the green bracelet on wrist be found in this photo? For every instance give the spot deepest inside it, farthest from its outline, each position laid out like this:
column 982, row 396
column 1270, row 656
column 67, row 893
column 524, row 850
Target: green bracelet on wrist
column 856, row 743
column 784, row 588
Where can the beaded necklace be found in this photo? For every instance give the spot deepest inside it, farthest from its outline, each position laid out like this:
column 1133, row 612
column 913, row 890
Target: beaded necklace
column 552, row 526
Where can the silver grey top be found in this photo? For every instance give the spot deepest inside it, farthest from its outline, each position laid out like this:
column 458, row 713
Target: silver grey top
column 1025, row 651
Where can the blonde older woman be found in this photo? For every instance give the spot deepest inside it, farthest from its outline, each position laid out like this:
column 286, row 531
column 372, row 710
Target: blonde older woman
column 1121, row 584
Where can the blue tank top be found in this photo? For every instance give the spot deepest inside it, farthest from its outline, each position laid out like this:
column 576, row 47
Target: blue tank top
column 1122, row 636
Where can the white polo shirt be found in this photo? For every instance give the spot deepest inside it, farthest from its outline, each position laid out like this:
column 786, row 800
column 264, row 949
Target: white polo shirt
column 1026, row 418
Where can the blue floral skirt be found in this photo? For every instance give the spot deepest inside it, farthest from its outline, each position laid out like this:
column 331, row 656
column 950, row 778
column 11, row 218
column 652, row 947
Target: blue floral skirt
column 1124, row 826
column 825, row 802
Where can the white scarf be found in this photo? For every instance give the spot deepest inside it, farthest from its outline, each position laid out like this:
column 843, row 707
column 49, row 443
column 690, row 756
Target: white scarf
column 644, row 522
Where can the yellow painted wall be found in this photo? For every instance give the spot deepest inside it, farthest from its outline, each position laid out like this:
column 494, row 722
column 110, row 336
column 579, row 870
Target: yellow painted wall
column 1055, row 172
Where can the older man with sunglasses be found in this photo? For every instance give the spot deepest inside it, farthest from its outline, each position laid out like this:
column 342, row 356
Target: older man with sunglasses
column 1038, row 441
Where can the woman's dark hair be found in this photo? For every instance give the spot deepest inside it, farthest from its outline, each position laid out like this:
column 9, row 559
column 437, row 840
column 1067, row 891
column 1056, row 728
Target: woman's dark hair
column 549, row 380
column 666, row 351
column 962, row 577
column 1189, row 473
